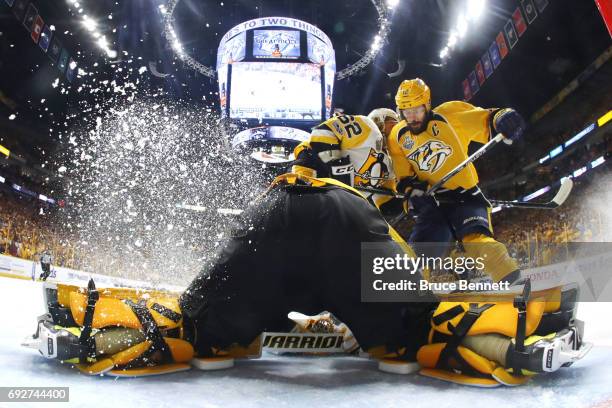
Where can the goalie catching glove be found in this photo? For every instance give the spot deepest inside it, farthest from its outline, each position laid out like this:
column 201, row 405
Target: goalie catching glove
column 324, row 322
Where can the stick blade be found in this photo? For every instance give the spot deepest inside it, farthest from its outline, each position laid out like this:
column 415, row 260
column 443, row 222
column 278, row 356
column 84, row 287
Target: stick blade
column 564, row 191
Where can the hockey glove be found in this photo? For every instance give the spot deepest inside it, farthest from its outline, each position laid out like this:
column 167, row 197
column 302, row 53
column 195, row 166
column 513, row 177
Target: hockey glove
column 342, row 170
column 509, row 123
column 324, row 322
column 414, row 192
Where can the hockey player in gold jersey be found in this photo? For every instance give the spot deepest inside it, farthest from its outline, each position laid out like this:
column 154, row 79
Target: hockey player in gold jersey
column 352, row 149
column 424, row 147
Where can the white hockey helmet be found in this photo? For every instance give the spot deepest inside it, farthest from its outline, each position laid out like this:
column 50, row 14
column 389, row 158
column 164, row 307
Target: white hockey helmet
column 380, row 115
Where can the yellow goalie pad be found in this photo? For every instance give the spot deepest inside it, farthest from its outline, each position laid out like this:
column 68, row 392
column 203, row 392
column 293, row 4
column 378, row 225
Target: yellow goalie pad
column 153, row 313
column 502, row 318
column 113, row 310
column 182, row 352
column 447, row 359
column 485, row 373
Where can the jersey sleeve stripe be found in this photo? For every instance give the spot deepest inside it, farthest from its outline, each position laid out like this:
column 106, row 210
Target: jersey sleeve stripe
column 439, row 117
column 324, row 138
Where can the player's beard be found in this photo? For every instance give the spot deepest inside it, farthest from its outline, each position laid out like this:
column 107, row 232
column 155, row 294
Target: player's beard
column 417, row 127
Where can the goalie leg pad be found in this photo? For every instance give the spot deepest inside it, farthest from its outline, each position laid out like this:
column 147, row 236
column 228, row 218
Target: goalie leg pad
column 482, row 318
column 445, row 357
column 110, row 311
column 94, row 310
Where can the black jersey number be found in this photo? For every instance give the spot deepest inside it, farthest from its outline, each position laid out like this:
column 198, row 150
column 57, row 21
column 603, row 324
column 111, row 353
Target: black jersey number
column 351, row 126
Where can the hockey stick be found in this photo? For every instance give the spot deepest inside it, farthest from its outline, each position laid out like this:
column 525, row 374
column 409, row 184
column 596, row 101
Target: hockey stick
column 559, row 198
column 476, row 155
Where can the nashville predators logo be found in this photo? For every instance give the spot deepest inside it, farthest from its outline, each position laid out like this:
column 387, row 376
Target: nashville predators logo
column 431, row 156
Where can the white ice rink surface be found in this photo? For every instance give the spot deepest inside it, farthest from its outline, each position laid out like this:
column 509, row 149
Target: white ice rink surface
column 275, row 381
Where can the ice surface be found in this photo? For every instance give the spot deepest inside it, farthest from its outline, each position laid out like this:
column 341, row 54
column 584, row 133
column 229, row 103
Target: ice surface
column 292, row 381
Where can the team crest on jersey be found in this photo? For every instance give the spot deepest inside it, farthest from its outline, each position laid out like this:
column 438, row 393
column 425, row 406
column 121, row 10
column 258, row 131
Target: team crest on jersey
column 408, row 143
column 431, row 156
column 374, row 171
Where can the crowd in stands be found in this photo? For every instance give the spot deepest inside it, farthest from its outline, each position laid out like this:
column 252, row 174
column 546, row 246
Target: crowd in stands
column 27, row 229
column 540, row 237
column 552, row 171
column 534, row 237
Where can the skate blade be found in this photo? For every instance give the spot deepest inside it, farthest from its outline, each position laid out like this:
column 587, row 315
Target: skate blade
column 31, row 342
column 570, row 357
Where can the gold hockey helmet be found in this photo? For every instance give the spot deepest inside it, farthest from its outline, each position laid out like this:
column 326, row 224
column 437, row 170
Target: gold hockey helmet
column 413, row 93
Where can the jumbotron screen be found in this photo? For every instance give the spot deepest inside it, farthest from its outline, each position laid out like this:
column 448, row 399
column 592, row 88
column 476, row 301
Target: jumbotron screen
column 276, row 90
column 276, row 44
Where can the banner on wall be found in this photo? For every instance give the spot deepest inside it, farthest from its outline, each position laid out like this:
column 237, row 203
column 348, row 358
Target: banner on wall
column 541, row 4
column 19, row 9
column 494, row 54
column 501, row 44
column 530, row 10
column 519, row 22
column 480, row 73
column 37, row 27
column 45, row 38
column 605, row 9
column 510, row 33
column 474, row 83
column 30, row 17
column 55, row 49
column 486, row 64
column 467, row 92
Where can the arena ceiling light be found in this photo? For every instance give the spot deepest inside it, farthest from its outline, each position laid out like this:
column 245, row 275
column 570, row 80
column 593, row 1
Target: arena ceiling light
column 475, row 8
column 472, row 13
column 383, row 9
column 91, row 25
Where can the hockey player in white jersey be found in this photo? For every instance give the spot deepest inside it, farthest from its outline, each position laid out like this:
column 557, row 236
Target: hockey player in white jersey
column 352, row 149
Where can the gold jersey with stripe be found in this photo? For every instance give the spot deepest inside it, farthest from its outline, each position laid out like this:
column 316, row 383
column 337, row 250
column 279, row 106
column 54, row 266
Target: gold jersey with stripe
column 433, row 153
column 356, row 137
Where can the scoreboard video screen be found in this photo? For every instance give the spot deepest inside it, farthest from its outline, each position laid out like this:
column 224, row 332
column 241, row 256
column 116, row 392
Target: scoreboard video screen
column 276, row 70
column 276, row 44
column 278, row 90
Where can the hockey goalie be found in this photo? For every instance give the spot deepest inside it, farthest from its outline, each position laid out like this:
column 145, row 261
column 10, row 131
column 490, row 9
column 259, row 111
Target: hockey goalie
column 298, row 249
